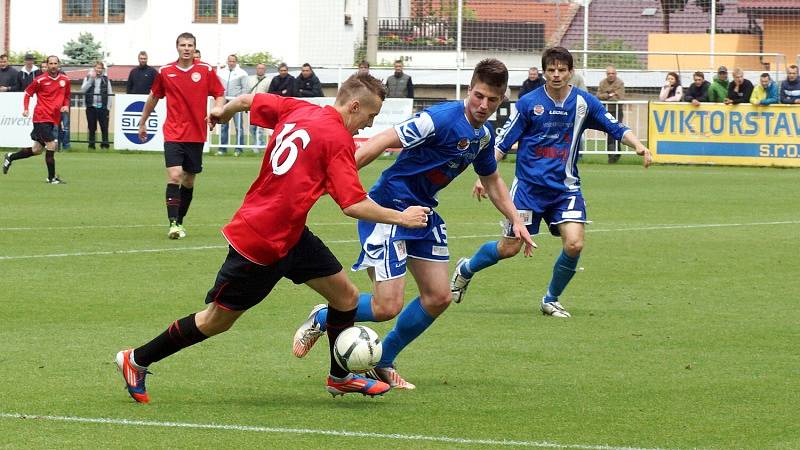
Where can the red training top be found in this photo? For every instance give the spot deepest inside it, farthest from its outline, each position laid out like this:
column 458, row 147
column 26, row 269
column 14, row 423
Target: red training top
column 51, row 94
column 187, row 92
column 309, row 154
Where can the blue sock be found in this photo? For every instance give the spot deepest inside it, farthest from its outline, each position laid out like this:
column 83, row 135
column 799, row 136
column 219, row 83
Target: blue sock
column 563, row 270
column 411, row 322
column 486, row 256
column 363, row 313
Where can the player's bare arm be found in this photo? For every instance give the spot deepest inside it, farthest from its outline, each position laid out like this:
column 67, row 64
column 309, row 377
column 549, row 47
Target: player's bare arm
column 411, row 217
column 376, row 145
column 478, row 190
column 149, row 106
column 631, row 140
column 222, row 112
column 497, row 191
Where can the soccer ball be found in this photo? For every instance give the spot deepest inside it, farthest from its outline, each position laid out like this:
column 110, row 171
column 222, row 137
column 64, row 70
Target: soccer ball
column 358, row 349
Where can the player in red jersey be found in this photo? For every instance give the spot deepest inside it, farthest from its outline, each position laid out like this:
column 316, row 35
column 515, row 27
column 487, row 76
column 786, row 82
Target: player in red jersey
column 311, row 153
column 52, row 98
column 187, row 83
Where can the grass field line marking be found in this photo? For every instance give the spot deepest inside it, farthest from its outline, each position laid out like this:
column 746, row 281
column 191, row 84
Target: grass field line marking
column 354, row 241
column 279, row 430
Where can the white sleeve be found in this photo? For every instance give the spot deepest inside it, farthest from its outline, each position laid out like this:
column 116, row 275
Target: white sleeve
column 416, row 130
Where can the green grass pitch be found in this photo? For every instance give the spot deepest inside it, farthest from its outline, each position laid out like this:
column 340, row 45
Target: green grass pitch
column 684, row 331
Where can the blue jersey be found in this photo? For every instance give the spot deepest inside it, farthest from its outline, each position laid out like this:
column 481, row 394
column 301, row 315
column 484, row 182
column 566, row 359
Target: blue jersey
column 438, row 144
column 549, row 136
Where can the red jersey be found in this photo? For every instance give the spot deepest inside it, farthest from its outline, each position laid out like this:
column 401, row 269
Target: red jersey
column 51, row 94
column 309, row 154
column 187, row 92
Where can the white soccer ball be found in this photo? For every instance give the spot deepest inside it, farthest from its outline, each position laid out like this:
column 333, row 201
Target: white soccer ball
column 358, row 349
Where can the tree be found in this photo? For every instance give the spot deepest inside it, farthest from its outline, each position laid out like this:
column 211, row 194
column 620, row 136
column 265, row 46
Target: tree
column 83, row 51
column 252, row 59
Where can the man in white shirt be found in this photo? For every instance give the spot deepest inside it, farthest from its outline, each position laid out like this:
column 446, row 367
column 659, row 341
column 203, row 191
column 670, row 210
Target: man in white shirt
column 234, row 80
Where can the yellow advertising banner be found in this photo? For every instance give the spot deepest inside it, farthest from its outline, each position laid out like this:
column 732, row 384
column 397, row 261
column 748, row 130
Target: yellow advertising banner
column 713, row 133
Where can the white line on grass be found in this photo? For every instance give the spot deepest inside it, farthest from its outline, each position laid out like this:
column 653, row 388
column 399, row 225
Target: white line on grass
column 278, row 430
column 353, row 241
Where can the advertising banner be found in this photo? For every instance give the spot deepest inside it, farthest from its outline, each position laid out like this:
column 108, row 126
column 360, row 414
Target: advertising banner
column 15, row 129
column 127, row 115
column 713, row 133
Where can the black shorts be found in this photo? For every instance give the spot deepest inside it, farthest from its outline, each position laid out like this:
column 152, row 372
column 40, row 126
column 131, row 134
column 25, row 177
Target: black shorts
column 43, row 132
column 242, row 284
column 188, row 155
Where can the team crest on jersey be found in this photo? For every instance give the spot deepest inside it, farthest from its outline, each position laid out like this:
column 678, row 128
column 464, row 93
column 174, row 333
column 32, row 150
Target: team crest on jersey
column 62, row 83
column 463, row 144
column 538, row 110
column 195, row 77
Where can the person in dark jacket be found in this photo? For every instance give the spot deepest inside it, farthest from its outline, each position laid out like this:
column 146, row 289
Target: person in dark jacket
column 533, row 81
column 141, row 77
column 739, row 90
column 790, row 87
column 8, row 76
column 399, row 85
column 307, row 84
column 25, row 75
column 96, row 87
column 698, row 90
column 283, row 83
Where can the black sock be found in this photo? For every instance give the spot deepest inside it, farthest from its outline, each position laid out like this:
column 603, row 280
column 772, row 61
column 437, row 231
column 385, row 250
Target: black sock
column 337, row 322
column 173, row 201
column 50, row 160
column 22, row 154
column 181, row 334
column 186, row 200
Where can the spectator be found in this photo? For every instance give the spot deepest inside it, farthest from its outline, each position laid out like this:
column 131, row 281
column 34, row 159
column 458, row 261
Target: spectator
column 740, row 90
column 283, row 83
column 257, row 84
column 577, row 80
column 719, row 86
column 363, row 67
column 672, row 90
column 399, row 85
column 766, row 93
column 26, row 73
column 698, row 91
column 197, row 55
column 234, row 80
column 307, row 84
column 790, row 88
column 141, row 77
column 8, row 76
column 611, row 90
column 534, row 81
column 96, row 87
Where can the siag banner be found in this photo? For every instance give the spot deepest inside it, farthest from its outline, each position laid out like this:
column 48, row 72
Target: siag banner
column 713, row 133
column 127, row 115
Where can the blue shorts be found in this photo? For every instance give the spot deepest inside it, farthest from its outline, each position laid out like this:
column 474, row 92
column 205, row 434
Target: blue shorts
column 564, row 207
column 386, row 247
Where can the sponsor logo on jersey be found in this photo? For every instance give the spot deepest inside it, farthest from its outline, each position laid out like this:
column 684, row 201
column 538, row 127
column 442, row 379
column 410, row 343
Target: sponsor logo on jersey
column 557, row 112
column 195, row 77
column 611, row 118
column 61, row 83
column 130, row 123
column 538, row 110
column 463, row 144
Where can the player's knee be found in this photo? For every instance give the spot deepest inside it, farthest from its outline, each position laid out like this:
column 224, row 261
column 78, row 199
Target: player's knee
column 508, row 248
column 574, row 248
column 386, row 308
column 437, row 302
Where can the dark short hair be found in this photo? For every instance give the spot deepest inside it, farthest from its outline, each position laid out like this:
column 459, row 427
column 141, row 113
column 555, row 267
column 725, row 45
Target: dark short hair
column 282, row 65
column 359, row 84
column 197, row 50
column 492, row 72
column 234, row 56
column 142, row 53
column 363, row 62
column 765, row 75
column 4, row 56
column 186, row 35
column 699, row 74
column 398, row 61
column 308, row 65
column 553, row 54
column 677, row 77
column 47, row 60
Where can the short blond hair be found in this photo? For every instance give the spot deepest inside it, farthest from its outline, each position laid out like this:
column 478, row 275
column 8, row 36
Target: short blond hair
column 359, row 84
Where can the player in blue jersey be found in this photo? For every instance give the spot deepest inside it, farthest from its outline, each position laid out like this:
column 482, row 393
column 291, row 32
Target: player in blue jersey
column 438, row 144
column 547, row 126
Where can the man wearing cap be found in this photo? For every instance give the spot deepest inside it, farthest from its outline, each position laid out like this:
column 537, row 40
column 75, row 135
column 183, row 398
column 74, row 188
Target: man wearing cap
column 8, row 75
column 719, row 87
column 26, row 73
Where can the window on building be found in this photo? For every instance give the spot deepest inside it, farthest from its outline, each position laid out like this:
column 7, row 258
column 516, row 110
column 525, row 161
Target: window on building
column 205, row 11
column 92, row 11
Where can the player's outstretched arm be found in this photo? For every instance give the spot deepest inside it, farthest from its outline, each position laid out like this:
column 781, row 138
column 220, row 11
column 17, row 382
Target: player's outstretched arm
column 222, row 112
column 497, row 191
column 631, row 140
column 149, row 106
column 376, row 145
column 367, row 209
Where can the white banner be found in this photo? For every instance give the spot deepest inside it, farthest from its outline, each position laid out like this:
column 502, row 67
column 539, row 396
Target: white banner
column 127, row 115
column 15, row 129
